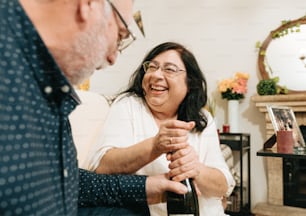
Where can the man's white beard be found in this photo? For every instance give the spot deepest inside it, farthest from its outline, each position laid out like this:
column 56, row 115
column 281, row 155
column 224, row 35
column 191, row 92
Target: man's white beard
column 85, row 57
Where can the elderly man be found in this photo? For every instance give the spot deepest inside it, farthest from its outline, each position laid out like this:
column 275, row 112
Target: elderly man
column 46, row 46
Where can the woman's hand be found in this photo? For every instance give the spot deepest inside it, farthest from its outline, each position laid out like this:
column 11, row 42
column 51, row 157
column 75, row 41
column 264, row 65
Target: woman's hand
column 184, row 163
column 172, row 136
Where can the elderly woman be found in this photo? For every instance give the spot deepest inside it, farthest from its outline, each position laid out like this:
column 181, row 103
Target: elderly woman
column 161, row 112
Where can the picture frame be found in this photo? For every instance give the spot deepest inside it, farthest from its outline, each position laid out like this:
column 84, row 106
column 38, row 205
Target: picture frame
column 283, row 118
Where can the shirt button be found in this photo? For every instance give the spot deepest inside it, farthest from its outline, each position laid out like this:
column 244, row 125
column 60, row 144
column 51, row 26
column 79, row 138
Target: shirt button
column 48, row 89
column 65, row 173
column 65, row 89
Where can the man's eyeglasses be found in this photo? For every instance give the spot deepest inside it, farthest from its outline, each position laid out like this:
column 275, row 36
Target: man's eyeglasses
column 130, row 38
column 168, row 68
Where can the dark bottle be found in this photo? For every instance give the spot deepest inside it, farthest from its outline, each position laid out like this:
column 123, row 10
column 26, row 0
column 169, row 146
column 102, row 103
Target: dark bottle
column 186, row 204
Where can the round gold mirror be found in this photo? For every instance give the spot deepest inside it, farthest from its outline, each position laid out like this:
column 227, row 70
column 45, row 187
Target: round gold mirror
column 283, row 55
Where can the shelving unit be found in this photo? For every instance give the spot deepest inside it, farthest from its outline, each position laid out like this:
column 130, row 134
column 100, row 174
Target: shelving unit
column 240, row 200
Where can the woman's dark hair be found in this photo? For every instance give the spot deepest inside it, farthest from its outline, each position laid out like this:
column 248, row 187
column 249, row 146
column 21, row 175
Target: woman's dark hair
column 196, row 98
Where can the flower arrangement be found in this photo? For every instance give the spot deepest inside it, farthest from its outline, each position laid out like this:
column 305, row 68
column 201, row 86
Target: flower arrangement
column 234, row 88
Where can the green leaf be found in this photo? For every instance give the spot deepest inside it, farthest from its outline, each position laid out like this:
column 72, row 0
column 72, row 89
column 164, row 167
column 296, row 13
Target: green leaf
column 258, row 44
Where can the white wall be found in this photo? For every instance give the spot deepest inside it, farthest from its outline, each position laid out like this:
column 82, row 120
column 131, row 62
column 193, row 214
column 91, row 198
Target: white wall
column 222, row 35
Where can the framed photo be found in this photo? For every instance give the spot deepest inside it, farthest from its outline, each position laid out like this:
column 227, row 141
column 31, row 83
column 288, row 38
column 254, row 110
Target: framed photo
column 283, row 118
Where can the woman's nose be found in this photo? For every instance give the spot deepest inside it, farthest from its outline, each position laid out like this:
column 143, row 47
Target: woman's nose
column 159, row 72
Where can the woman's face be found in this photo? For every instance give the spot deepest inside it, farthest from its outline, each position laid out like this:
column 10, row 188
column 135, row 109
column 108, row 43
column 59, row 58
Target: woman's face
column 164, row 92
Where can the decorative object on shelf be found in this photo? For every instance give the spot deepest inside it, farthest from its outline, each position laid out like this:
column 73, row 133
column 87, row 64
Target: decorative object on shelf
column 282, row 54
column 234, row 89
column 285, row 141
column 283, row 118
column 233, row 115
column 226, row 128
column 270, row 87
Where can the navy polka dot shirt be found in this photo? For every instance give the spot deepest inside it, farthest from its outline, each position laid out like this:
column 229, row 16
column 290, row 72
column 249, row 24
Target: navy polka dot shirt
column 38, row 167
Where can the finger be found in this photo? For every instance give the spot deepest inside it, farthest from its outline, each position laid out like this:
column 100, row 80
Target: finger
column 179, row 124
column 197, row 188
column 187, row 163
column 178, row 139
column 176, row 147
column 185, row 175
column 192, row 169
column 167, row 130
column 180, row 177
column 183, row 154
column 177, row 170
column 173, row 186
column 168, row 156
column 174, row 132
column 176, row 187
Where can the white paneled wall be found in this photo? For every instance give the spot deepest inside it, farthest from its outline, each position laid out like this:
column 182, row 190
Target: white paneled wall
column 222, row 35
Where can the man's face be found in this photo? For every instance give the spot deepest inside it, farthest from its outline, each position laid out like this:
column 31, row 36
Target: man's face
column 96, row 46
column 121, row 16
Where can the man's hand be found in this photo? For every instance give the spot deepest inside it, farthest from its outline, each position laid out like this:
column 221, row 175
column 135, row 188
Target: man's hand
column 156, row 187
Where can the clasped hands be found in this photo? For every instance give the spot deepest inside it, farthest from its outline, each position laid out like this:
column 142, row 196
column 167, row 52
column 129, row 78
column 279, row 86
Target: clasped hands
column 172, row 139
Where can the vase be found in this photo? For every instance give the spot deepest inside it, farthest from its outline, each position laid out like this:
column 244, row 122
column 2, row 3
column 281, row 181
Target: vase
column 233, row 115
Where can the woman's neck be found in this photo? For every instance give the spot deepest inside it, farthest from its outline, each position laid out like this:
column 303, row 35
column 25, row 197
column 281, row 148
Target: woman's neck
column 161, row 117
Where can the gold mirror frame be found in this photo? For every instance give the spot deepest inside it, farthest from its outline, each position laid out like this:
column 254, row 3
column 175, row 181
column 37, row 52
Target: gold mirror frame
column 263, row 47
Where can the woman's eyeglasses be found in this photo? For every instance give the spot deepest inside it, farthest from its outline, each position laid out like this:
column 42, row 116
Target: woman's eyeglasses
column 168, row 68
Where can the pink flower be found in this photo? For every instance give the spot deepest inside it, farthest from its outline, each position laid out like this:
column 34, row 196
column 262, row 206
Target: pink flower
column 234, row 88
